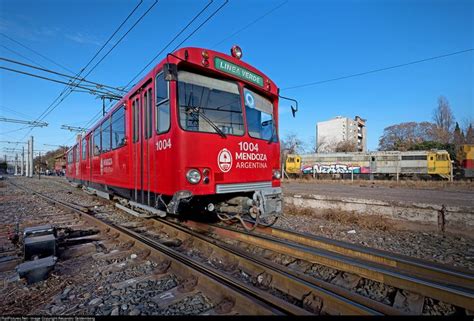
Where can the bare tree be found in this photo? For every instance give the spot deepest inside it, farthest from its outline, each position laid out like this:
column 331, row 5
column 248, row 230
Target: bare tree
column 346, row 146
column 319, row 145
column 292, row 144
column 404, row 135
column 444, row 120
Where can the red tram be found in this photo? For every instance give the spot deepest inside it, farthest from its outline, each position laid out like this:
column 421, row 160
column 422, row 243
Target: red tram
column 199, row 131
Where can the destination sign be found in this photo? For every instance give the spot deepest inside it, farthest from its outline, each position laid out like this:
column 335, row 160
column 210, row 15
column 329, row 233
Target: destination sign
column 237, row 71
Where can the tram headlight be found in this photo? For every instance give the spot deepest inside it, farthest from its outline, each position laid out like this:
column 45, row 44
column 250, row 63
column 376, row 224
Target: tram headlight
column 276, row 174
column 193, row 176
column 236, row 52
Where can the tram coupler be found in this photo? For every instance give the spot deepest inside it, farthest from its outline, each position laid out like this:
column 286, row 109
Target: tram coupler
column 268, row 201
column 178, row 197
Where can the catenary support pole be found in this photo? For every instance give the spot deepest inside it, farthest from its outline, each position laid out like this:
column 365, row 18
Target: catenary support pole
column 27, row 163
column 31, row 157
column 22, row 160
column 16, row 164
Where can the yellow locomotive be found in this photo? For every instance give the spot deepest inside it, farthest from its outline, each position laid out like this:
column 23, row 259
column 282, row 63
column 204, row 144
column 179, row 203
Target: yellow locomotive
column 432, row 163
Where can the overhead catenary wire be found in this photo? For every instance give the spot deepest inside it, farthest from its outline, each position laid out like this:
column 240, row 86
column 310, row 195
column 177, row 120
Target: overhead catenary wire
column 59, row 74
column 130, row 29
column 169, row 43
column 14, row 111
column 201, row 25
column 36, row 52
column 63, row 93
column 179, row 33
column 190, row 35
column 251, row 23
column 377, row 70
column 54, row 105
column 22, row 56
column 93, row 91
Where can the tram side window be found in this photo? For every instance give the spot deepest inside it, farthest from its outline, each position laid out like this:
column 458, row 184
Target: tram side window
column 162, row 104
column 105, row 137
column 147, row 100
column 118, row 128
column 97, row 141
column 136, row 114
column 84, row 148
column 69, row 158
column 76, row 153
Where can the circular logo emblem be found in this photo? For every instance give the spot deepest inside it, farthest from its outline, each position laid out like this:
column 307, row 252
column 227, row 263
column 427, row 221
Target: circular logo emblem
column 249, row 100
column 224, row 160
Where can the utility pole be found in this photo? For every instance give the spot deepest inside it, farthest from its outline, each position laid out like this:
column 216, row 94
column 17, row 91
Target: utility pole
column 22, row 160
column 27, row 163
column 30, row 158
column 16, row 164
column 39, row 166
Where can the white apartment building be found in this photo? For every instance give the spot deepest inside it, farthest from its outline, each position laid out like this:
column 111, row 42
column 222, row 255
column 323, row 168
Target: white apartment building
column 339, row 129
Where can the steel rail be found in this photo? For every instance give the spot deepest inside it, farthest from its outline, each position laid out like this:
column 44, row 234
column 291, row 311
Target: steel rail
column 336, row 299
column 252, row 299
column 453, row 294
column 423, row 268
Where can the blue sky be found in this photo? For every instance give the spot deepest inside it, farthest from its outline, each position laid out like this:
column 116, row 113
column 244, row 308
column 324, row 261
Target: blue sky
column 300, row 42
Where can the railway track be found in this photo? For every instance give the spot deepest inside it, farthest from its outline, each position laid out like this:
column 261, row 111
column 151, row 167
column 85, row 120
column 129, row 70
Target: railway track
column 275, row 265
column 176, row 284
column 243, row 277
column 416, row 285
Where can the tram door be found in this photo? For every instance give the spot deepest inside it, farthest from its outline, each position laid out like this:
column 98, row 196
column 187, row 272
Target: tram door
column 141, row 139
column 137, row 173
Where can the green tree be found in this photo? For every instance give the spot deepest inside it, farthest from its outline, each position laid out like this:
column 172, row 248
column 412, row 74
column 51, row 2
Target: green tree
column 428, row 145
column 469, row 135
column 458, row 141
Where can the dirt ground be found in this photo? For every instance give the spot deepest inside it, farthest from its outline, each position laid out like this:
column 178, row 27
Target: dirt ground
column 449, row 194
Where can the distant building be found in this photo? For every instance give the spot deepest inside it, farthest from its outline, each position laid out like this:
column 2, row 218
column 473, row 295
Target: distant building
column 60, row 162
column 338, row 130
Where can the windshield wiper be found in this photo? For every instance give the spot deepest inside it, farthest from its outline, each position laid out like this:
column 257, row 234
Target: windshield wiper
column 197, row 110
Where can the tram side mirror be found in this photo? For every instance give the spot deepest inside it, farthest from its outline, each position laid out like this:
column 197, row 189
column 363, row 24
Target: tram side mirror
column 171, row 72
column 293, row 111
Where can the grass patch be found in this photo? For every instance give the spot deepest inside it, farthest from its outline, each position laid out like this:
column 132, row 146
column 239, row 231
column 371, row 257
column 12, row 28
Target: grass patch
column 370, row 222
column 290, row 209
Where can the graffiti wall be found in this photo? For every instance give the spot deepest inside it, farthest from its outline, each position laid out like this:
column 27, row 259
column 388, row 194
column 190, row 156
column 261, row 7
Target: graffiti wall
column 336, row 169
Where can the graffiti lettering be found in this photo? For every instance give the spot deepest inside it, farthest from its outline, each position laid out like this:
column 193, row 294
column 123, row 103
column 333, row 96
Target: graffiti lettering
column 335, row 169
